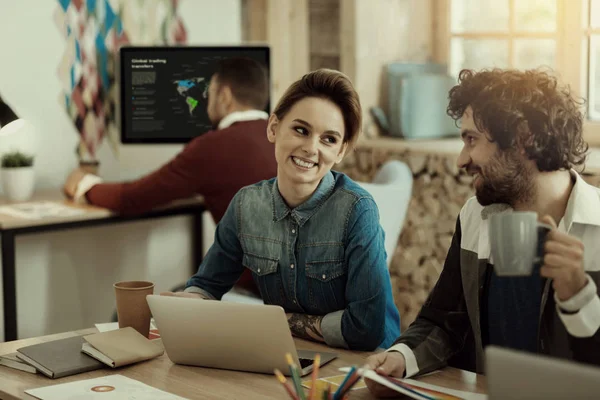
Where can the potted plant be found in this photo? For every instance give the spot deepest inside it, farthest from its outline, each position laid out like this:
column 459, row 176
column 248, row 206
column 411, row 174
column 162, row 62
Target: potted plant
column 18, row 179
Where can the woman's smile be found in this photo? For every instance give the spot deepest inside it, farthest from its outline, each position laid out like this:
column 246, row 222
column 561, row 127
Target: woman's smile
column 303, row 163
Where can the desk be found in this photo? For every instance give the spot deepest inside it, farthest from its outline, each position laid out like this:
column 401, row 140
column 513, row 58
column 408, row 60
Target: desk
column 207, row 383
column 11, row 226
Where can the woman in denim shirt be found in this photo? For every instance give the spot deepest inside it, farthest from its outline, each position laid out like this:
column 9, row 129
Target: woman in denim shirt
column 310, row 236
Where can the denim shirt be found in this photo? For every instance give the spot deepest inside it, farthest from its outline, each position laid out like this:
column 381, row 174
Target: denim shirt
column 324, row 257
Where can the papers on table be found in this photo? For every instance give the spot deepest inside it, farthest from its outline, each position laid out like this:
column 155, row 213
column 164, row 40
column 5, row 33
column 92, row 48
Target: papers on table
column 114, row 387
column 108, row 326
column 40, row 209
column 335, row 382
column 113, row 326
column 419, row 390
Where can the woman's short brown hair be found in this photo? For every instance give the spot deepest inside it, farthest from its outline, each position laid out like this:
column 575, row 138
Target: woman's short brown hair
column 527, row 108
column 331, row 85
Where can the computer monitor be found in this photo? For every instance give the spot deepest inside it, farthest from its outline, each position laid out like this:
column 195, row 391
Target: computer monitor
column 164, row 90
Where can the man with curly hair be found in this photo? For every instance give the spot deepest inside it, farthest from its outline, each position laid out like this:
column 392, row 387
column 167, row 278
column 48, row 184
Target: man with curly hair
column 522, row 135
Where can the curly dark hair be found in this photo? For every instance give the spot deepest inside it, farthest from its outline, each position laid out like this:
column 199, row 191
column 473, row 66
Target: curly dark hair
column 527, row 108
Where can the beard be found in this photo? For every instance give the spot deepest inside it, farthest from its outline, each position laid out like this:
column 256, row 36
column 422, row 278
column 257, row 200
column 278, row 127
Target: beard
column 505, row 179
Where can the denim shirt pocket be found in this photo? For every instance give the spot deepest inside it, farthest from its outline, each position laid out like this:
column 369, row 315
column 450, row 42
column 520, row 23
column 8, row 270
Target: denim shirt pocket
column 266, row 277
column 326, row 285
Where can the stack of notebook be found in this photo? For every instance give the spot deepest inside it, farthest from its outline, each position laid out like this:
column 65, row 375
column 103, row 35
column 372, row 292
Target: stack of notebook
column 121, row 347
column 80, row 354
column 59, row 358
column 11, row 360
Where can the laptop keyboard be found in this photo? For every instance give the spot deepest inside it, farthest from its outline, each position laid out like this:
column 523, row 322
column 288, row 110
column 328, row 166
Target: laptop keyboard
column 305, row 362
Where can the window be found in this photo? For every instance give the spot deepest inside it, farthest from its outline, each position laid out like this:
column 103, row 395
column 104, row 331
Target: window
column 591, row 43
column 502, row 33
column 560, row 34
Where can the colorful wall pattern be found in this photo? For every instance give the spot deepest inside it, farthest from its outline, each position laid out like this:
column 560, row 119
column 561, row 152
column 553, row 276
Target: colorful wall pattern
column 94, row 30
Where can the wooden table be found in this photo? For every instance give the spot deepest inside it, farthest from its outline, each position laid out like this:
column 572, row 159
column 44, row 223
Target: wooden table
column 11, row 226
column 207, row 383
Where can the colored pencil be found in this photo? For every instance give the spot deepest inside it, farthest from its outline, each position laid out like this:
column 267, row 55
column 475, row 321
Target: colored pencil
column 315, row 376
column 337, row 394
column 287, row 387
column 295, row 377
column 327, row 392
column 349, row 384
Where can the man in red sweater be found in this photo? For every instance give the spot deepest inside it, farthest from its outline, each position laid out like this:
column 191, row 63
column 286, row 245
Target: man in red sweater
column 215, row 165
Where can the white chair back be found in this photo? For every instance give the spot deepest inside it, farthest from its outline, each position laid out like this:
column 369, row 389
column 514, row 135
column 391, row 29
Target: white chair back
column 391, row 189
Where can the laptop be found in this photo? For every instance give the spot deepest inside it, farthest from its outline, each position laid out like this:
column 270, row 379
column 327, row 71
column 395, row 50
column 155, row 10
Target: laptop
column 519, row 375
column 236, row 336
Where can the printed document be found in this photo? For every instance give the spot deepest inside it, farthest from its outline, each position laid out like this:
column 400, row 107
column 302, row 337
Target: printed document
column 113, row 387
column 40, row 209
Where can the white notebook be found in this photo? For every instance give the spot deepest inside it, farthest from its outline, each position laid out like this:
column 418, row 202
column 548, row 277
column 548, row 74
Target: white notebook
column 113, row 387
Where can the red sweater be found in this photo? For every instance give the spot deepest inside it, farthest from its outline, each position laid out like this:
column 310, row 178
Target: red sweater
column 215, row 165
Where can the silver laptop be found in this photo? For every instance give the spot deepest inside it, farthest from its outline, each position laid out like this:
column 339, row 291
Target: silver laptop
column 518, row 375
column 237, row 336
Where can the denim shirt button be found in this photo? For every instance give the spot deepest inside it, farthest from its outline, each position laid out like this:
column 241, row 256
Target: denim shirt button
column 292, row 266
column 293, row 231
column 324, row 276
column 258, row 270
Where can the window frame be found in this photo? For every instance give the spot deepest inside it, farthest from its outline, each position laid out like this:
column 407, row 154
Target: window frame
column 570, row 45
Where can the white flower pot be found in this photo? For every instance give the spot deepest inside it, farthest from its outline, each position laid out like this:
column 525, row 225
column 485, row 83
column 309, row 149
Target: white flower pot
column 18, row 183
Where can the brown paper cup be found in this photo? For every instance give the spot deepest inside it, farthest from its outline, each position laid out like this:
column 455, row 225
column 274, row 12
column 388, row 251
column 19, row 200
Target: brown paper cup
column 132, row 307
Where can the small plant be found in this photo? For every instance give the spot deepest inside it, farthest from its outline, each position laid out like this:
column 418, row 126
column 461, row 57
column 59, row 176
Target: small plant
column 16, row 159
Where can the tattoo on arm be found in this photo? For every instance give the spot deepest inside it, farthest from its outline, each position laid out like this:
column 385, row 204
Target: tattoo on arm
column 306, row 326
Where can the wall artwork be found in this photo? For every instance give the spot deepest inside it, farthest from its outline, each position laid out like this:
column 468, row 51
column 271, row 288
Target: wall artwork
column 94, row 30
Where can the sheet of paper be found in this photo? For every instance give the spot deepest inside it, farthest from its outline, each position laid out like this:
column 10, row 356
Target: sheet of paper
column 335, row 381
column 108, row 326
column 113, row 326
column 114, row 387
column 420, row 390
column 40, row 209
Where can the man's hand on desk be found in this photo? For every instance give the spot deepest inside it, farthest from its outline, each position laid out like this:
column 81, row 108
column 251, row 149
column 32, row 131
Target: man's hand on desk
column 389, row 363
column 185, row 294
column 70, row 187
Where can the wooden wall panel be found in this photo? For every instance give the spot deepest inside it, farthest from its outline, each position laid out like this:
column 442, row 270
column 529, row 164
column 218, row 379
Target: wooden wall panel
column 324, row 20
column 283, row 25
column 376, row 33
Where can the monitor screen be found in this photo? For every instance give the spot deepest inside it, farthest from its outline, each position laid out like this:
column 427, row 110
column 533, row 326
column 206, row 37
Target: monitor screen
column 164, row 90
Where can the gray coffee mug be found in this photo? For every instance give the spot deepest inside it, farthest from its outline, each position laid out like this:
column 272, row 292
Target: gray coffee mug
column 517, row 242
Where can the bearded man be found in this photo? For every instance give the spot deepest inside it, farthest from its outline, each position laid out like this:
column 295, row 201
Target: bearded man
column 522, row 135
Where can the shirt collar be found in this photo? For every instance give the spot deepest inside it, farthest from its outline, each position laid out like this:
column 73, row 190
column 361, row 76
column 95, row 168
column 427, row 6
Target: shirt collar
column 583, row 206
column 304, row 211
column 239, row 116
